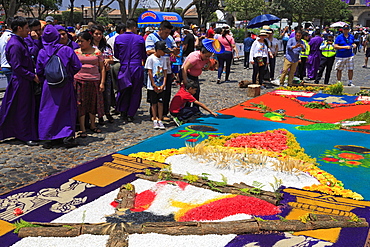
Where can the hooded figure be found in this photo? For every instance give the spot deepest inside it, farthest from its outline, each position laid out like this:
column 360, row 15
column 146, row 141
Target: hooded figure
column 67, row 38
column 58, row 109
column 17, row 112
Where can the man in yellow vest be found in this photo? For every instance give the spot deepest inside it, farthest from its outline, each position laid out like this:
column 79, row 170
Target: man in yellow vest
column 327, row 59
column 301, row 71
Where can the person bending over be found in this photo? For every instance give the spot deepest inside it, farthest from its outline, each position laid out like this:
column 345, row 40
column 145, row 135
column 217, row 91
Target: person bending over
column 182, row 104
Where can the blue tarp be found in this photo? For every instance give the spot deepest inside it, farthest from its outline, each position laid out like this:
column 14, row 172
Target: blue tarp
column 154, row 18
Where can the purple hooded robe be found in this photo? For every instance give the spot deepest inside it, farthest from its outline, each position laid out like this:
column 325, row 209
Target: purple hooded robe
column 129, row 48
column 34, row 46
column 313, row 60
column 17, row 112
column 58, row 108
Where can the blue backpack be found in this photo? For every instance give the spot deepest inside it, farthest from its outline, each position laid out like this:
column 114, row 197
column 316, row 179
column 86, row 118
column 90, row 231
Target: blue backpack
column 55, row 72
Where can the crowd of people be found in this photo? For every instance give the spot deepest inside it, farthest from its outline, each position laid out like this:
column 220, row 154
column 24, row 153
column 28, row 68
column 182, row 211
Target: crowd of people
column 63, row 79
column 102, row 71
column 306, row 54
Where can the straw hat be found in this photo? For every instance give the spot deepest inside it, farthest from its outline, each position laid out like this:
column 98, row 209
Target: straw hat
column 263, row 33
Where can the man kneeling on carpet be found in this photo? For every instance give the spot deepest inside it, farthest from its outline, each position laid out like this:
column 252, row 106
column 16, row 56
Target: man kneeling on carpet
column 182, row 105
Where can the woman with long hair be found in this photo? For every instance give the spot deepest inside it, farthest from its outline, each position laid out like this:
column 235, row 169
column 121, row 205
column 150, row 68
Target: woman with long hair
column 100, row 42
column 90, row 82
column 228, row 42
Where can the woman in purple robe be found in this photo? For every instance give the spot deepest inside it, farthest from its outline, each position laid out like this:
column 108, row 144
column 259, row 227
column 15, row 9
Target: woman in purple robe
column 17, row 112
column 58, row 108
column 313, row 60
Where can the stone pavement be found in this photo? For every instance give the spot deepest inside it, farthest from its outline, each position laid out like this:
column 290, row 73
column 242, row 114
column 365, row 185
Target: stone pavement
column 21, row 164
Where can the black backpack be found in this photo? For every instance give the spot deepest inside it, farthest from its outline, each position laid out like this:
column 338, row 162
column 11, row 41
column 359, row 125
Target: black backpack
column 55, row 72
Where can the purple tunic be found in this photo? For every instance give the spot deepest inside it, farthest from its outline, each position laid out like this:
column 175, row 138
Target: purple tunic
column 313, row 60
column 34, row 46
column 58, row 108
column 17, row 112
column 129, row 48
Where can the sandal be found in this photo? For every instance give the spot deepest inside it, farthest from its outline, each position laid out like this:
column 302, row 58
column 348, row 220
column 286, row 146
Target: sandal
column 96, row 130
column 82, row 134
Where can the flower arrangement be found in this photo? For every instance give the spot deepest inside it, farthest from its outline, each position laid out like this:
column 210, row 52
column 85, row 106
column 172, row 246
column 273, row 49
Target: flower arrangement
column 290, row 157
column 346, row 158
column 329, row 184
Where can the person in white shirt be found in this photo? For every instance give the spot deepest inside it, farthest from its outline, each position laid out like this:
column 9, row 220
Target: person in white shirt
column 259, row 57
column 5, row 66
column 274, row 48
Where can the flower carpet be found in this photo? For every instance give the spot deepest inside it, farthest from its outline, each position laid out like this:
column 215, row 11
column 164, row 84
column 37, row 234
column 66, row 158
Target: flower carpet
column 292, row 104
column 332, row 179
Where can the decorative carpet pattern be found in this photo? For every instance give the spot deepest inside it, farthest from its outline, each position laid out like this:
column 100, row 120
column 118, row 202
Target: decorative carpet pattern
column 344, row 154
column 294, row 108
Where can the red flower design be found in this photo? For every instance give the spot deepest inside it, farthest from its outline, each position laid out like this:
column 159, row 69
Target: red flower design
column 192, row 140
column 213, row 135
column 17, row 211
column 330, row 159
column 194, row 135
column 355, row 163
column 183, row 131
column 350, row 156
column 175, row 135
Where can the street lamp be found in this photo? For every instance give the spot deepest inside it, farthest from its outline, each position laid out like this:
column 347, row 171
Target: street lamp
column 82, row 10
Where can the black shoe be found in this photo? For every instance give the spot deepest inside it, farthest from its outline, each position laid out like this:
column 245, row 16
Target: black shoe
column 101, row 121
column 32, row 143
column 130, row 119
column 47, row 145
column 70, row 142
column 123, row 115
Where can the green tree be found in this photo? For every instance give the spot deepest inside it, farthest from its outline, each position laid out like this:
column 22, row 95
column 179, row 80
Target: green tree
column 247, row 9
column 76, row 18
column 205, row 9
column 42, row 6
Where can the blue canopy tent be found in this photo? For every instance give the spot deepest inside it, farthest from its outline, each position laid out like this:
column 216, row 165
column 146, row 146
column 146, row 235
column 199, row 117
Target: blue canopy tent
column 154, row 18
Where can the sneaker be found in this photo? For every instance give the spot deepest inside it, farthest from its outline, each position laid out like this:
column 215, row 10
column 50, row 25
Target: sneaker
column 218, row 81
column 177, row 121
column 364, row 66
column 155, row 124
column 351, row 84
column 160, row 125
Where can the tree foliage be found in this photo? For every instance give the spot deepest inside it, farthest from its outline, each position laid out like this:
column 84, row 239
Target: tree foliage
column 205, row 9
column 42, row 7
column 247, row 9
column 295, row 10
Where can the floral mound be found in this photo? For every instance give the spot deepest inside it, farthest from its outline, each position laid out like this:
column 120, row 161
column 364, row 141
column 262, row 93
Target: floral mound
column 289, row 150
column 189, row 203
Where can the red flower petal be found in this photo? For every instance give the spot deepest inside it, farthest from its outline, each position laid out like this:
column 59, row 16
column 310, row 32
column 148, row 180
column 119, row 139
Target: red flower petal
column 195, row 134
column 175, row 135
column 192, row 140
column 114, row 204
column 183, row 131
column 17, row 211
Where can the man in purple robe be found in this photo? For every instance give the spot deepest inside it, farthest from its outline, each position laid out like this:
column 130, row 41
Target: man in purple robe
column 313, row 60
column 17, row 112
column 58, row 108
column 129, row 48
column 33, row 40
